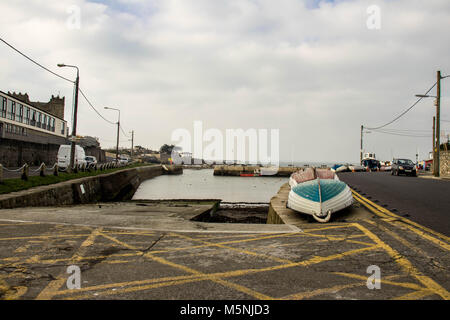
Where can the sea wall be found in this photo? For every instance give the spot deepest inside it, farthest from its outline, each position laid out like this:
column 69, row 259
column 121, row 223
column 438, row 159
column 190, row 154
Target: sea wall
column 237, row 170
column 278, row 212
column 117, row 186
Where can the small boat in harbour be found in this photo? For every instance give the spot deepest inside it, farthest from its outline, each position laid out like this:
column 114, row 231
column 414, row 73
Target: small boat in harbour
column 318, row 192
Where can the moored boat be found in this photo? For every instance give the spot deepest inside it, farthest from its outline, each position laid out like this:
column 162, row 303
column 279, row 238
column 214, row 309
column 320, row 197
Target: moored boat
column 319, row 193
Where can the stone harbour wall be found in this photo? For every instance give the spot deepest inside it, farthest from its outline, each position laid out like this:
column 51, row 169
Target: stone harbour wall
column 117, row 186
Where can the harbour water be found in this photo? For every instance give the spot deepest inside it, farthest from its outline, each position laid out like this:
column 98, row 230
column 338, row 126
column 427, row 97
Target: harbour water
column 202, row 184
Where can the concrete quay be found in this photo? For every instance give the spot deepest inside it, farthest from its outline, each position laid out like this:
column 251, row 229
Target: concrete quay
column 154, row 250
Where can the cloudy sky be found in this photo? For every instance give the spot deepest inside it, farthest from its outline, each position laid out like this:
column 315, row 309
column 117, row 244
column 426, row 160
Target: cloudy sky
column 312, row 69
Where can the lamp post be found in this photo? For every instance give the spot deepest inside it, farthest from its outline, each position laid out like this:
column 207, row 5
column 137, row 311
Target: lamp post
column 436, row 138
column 118, row 132
column 75, row 113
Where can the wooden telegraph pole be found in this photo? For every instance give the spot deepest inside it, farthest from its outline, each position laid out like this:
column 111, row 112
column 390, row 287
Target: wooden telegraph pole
column 438, row 126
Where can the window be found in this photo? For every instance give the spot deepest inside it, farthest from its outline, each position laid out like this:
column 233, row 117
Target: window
column 19, row 115
column 48, row 123
column 27, row 115
column 63, row 128
column 44, row 122
column 39, row 119
column 3, row 108
column 33, row 117
column 52, row 124
column 11, row 109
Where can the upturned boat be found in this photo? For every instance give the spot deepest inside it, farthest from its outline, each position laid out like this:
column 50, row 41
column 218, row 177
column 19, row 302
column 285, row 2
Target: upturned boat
column 318, row 192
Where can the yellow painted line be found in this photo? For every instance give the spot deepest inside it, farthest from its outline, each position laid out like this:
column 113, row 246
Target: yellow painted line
column 384, row 280
column 248, row 252
column 404, row 242
column 51, row 289
column 132, row 289
column 421, row 233
column 415, row 295
column 228, row 284
column 141, row 284
column 46, row 237
column 405, row 220
column 406, row 265
column 334, row 289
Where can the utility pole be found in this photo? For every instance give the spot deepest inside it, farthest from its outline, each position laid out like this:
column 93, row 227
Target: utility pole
column 75, row 114
column 118, row 132
column 361, row 151
column 132, row 143
column 74, row 129
column 438, row 126
column 117, row 146
column 434, row 142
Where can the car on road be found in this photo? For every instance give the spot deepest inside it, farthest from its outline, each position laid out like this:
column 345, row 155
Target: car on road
column 124, row 160
column 403, row 166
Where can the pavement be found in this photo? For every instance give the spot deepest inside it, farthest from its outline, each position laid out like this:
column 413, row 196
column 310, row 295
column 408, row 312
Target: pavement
column 145, row 250
column 425, row 201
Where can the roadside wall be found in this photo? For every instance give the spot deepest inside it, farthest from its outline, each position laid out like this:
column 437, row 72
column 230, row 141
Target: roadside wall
column 444, row 164
column 117, row 186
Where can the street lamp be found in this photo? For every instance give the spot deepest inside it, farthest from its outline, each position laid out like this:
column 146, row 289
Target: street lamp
column 118, row 131
column 75, row 113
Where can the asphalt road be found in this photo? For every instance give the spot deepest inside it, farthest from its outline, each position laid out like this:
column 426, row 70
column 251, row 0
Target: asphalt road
column 425, row 201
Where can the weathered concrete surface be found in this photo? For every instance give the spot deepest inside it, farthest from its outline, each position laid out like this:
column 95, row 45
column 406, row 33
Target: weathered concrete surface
column 119, row 185
column 136, row 251
column 145, row 215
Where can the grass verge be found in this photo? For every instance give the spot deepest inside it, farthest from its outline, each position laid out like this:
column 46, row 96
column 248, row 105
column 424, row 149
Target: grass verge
column 13, row 185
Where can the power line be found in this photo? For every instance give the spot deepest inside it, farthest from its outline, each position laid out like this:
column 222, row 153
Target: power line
column 90, row 104
column 404, row 112
column 123, row 131
column 403, row 135
column 36, row 63
column 48, row 70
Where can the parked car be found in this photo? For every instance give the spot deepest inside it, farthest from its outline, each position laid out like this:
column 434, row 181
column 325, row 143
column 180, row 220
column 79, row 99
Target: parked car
column 91, row 160
column 124, row 160
column 403, row 166
column 64, row 156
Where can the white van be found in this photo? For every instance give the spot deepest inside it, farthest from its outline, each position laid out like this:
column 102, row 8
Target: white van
column 64, row 156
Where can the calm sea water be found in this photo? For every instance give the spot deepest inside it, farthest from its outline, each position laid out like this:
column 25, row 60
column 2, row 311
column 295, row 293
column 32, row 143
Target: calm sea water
column 202, row 184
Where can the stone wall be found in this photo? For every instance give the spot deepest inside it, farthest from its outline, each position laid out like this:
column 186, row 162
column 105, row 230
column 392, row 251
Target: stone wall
column 15, row 153
column 117, row 186
column 444, row 163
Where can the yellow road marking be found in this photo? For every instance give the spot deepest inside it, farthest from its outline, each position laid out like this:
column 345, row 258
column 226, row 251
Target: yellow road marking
column 243, row 289
column 334, row 289
column 235, row 249
column 407, row 221
column 384, row 280
column 406, row 265
column 415, row 295
column 51, row 289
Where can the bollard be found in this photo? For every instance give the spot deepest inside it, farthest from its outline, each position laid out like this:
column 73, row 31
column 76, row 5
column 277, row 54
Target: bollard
column 1, row 173
column 83, row 167
column 42, row 170
column 55, row 170
column 25, row 172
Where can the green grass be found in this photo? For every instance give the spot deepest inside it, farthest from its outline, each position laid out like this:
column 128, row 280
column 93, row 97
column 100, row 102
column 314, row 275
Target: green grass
column 13, row 185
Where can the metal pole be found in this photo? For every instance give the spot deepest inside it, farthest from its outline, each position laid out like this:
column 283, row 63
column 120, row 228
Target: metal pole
column 117, row 147
column 132, row 143
column 74, row 125
column 434, row 142
column 438, row 125
column 361, row 151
